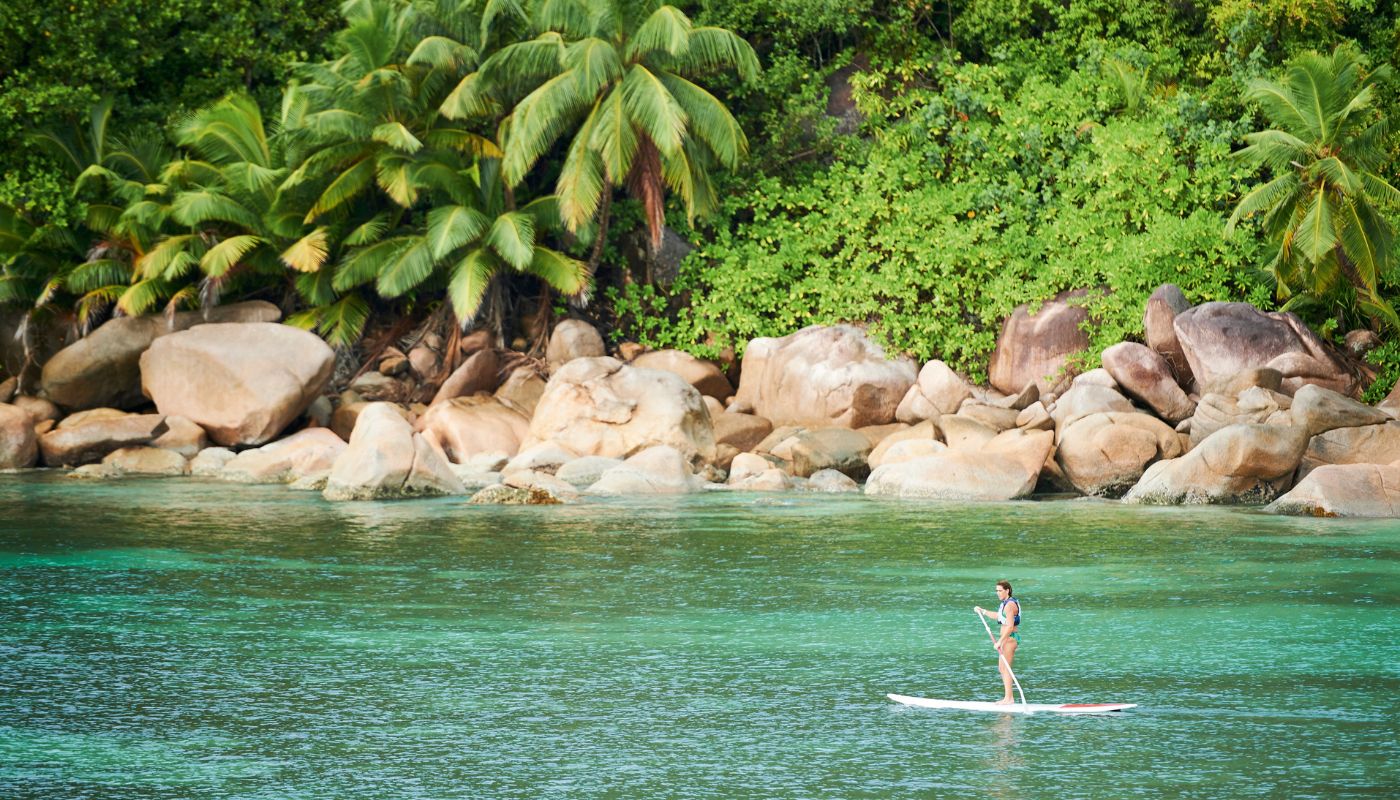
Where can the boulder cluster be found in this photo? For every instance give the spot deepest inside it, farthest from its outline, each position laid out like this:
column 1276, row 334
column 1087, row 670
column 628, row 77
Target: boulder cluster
column 1223, row 403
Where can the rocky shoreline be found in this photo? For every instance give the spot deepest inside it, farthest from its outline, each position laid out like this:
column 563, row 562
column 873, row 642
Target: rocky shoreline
column 1223, row 404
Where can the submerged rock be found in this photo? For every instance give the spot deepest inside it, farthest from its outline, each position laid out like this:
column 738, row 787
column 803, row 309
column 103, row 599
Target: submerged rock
column 500, row 495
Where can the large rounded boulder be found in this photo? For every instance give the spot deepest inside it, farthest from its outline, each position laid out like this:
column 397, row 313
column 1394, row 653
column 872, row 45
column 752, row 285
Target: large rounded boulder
column 1036, row 347
column 703, row 375
column 1345, row 490
column 386, row 460
column 822, row 376
column 468, row 426
column 1237, row 464
column 938, row 391
column 1145, row 374
column 19, row 448
column 573, row 339
column 1105, row 454
column 602, row 407
column 1161, row 310
column 1005, row 468
column 1221, row 340
column 103, row 368
column 243, row 383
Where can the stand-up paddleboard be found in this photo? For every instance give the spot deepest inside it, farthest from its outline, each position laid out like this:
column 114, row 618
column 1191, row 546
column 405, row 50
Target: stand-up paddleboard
column 1013, row 708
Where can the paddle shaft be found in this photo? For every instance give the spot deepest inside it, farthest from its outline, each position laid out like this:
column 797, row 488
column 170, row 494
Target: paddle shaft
column 1002, row 657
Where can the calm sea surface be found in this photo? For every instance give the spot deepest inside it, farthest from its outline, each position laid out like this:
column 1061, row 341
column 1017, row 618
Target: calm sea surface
column 177, row 639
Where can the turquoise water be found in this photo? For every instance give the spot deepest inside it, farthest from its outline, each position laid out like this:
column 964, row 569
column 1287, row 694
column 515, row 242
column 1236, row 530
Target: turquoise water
column 180, row 639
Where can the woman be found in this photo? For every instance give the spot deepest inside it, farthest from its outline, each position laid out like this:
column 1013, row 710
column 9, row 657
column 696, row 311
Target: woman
column 1008, row 614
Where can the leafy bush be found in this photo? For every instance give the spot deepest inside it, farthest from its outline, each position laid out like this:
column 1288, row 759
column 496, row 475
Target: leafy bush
column 976, row 198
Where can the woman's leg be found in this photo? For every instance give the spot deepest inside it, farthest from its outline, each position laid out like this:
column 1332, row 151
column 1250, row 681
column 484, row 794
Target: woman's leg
column 1009, row 654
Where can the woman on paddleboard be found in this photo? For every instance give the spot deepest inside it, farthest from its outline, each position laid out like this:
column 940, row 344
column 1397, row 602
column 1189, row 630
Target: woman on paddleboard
column 1008, row 614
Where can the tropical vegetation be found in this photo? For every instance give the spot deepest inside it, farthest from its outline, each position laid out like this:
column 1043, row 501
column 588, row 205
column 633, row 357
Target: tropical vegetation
column 918, row 167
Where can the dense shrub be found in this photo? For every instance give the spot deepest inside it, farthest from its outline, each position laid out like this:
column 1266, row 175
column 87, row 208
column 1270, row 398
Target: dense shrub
column 980, row 196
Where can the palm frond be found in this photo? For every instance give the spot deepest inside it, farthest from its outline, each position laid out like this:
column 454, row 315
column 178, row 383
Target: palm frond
column 612, row 137
column 409, row 266
column 710, row 121
column 651, row 108
column 470, row 279
column 581, row 181
column 566, row 275
column 667, row 31
column 92, row 275
column 202, row 207
column 346, row 187
column 364, row 264
column 368, row 232
column 398, row 137
column 142, row 296
column 462, row 141
column 1316, row 235
column 227, row 254
column 308, row 253
column 512, row 237
column 538, row 120
column 717, row 49
column 571, row 17
column 394, row 174
column 1262, row 197
column 451, row 227
column 171, row 254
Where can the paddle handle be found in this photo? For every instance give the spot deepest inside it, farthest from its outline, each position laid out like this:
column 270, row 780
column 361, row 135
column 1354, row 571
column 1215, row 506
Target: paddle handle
column 1000, row 656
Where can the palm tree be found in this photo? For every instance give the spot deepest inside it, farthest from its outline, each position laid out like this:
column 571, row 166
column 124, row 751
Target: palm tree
column 90, row 264
column 369, row 118
column 1321, row 208
column 235, row 225
column 469, row 238
column 617, row 76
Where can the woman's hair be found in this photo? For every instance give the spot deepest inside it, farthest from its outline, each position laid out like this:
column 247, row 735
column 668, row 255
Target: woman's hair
column 1005, row 585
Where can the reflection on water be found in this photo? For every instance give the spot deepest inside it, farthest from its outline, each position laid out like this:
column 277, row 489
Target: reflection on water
column 181, row 639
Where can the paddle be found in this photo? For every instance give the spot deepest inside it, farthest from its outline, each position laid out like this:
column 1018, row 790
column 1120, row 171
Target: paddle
column 1001, row 657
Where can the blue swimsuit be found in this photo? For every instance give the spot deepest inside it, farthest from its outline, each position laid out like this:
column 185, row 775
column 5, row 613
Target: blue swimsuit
column 1001, row 616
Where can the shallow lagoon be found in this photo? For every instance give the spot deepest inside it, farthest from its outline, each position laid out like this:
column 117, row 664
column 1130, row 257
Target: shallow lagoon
column 185, row 639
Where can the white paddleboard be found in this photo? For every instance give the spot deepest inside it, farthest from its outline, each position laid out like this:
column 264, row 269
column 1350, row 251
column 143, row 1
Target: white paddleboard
column 1013, row 708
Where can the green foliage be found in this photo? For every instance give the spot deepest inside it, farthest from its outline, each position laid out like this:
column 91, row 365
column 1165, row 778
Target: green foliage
column 1323, row 206
column 1386, row 359
column 158, row 58
column 984, row 196
column 619, row 79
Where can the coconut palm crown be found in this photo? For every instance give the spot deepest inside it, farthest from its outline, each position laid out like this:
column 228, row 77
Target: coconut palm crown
column 617, row 74
column 1322, row 207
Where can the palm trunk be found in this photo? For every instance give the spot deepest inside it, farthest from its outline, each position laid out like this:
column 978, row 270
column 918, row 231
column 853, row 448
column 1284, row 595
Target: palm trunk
column 595, row 254
column 645, row 182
